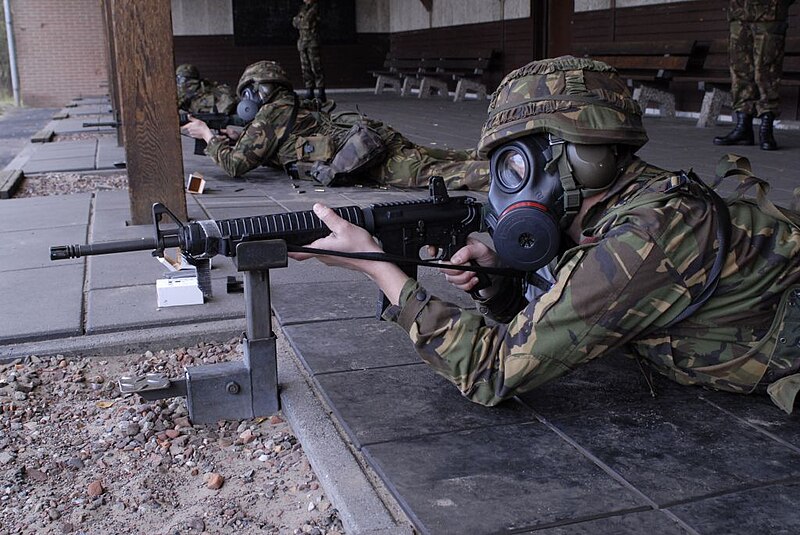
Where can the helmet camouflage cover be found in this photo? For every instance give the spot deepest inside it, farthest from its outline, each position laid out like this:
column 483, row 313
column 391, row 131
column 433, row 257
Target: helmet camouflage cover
column 263, row 72
column 187, row 70
column 577, row 99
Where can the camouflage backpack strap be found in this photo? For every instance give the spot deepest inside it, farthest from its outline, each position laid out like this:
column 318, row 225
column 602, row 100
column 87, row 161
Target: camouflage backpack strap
column 733, row 165
column 723, row 216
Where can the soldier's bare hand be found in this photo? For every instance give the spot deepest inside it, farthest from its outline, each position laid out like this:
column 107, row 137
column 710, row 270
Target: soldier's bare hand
column 233, row 132
column 344, row 237
column 197, row 129
column 474, row 251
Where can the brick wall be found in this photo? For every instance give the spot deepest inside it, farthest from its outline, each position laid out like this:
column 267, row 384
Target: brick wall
column 61, row 50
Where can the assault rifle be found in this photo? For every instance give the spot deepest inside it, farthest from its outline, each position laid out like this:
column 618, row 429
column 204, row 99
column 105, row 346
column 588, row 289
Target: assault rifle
column 215, row 121
column 404, row 229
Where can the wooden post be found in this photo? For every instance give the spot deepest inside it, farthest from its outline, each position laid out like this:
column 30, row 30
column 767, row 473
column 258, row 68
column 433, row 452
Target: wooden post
column 113, row 86
column 142, row 32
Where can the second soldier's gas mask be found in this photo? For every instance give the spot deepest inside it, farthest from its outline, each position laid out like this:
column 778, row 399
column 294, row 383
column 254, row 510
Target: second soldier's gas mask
column 252, row 98
column 536, row 189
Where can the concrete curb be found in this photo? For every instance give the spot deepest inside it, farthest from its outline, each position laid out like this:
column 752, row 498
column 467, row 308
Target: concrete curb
column 360, row 506
column 120, row 343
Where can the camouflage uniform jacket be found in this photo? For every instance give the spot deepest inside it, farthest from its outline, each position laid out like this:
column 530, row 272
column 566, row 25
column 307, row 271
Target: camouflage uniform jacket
column 307, row 23
column 260, row 143
column 647, row 248
column 204, row 96
column 759, row 10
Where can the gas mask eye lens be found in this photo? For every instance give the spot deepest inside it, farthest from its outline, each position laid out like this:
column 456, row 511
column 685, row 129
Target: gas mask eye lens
column 512, row 170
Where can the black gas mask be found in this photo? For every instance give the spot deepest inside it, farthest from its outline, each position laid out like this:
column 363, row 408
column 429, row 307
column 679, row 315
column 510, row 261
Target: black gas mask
column 252, row 98
column 536, row 190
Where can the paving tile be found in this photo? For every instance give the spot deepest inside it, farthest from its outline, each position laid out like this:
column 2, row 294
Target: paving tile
column 66, row 149
column 313, row 270
column 113, row 200
column 45, row 212
column 655, row 522
column 41, row 303
column 496, row 479
column 368, row 403
column 24, row 249
column 681, row 451
column 236, row 210
column 760, row 412
column 108, row 154
column 334, row 346
column 115, row 309
column 602, row 385
column 772, row 509
column 63, row 165
column 301, row 303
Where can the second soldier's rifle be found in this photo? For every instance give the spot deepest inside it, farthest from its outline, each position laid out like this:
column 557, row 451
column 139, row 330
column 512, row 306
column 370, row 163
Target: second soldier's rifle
column 215, row 121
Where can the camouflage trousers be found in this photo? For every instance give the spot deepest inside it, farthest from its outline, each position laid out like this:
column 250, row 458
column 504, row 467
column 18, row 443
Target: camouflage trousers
column 311, row 64
column 410, row 166
column 756, row 62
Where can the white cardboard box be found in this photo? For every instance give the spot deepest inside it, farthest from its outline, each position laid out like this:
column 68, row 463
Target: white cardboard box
column 178, row 291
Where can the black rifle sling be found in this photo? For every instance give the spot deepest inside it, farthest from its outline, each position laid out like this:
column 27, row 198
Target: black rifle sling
column 396, row 259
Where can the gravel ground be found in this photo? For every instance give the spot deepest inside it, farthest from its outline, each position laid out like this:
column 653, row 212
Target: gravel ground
column 78, row 457
column 67, row 183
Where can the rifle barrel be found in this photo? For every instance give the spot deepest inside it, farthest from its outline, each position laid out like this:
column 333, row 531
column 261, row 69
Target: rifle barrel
column 62, row 252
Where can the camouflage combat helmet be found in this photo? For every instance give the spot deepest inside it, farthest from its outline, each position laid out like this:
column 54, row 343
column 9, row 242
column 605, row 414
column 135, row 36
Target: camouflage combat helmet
column 577, row 99
column 187, row 71
column 263, row 72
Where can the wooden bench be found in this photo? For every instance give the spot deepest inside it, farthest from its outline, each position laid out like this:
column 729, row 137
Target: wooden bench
column 438, row 72
column 395, row 70
column 649, row 67
column 714, row 78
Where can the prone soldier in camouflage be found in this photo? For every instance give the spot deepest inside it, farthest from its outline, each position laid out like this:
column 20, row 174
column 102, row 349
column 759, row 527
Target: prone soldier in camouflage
column 645, row 260
column 757, row 41
column 287, row 130
column 307, row 24
column 197, row 95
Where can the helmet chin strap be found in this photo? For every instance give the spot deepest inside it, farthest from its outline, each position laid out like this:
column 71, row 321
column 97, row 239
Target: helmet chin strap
column 572, row 191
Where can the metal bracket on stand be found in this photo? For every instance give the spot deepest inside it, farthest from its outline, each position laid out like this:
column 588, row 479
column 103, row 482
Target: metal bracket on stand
column 232, row 390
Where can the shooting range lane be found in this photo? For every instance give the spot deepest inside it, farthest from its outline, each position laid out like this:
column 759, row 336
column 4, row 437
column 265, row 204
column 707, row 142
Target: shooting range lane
column 594, row 452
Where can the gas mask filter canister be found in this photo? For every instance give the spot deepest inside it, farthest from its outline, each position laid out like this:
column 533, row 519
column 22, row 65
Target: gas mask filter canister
column 525, row 204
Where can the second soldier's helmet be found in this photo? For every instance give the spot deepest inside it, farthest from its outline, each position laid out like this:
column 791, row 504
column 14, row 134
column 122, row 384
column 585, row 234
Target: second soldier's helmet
column 187, row 71
column 263, row 72
column 576, row 99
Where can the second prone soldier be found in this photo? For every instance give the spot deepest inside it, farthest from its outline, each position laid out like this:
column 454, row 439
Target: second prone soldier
column 287, row 132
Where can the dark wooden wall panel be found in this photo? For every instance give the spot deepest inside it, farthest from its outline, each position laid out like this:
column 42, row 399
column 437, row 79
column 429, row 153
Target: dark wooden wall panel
column 345, row 65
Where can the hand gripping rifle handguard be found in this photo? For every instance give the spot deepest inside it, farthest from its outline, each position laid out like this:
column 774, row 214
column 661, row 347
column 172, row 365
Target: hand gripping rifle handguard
column 404, row 228
column 215, row 121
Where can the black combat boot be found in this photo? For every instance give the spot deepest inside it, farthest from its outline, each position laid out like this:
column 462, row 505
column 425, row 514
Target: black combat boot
column 310, row 93
column 742, row 133
column 321, row 94
column 765, row 131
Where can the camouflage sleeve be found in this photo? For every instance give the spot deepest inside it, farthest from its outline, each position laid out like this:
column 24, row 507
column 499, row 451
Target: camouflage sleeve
column 258, row 142
column 605, row 294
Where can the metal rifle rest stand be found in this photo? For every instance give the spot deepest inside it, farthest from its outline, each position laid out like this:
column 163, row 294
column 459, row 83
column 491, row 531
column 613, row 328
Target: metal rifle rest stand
column 238, row 390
